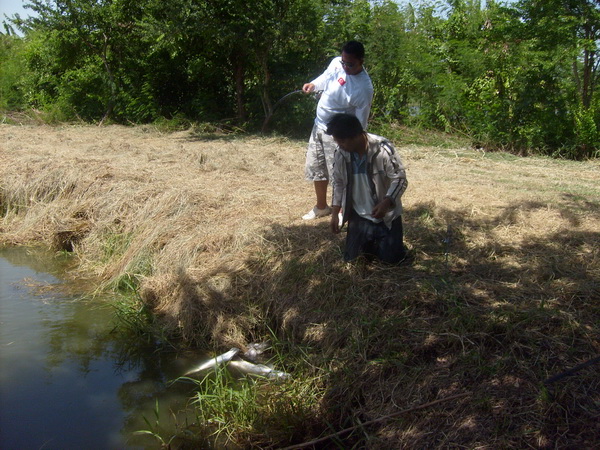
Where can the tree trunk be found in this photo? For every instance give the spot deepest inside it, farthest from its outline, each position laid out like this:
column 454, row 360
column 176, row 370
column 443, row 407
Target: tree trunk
column 238, row 74
column 111, row 79
column 264, row 91
column 586, row 94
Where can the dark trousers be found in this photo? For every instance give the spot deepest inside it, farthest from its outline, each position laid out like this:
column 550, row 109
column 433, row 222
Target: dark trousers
column 374, row 240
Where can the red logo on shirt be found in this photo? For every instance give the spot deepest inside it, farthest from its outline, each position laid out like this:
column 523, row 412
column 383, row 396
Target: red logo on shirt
column 341, row 81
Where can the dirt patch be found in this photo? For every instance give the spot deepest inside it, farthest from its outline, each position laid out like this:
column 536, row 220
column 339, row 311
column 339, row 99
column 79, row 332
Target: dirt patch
column 501, row 295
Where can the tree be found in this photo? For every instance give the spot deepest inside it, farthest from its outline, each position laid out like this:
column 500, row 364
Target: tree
column 568, row 31
column 230, row 50
column 573, row 28
column 12, row 68
column 390, row 59
column 88, row 38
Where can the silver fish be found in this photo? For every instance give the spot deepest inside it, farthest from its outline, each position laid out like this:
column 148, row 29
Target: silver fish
column 255, row 351
column 261, row 370
column 213, row 362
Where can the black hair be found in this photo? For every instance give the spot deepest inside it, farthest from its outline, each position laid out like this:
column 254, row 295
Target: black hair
column 344, row 126
column 354, row 48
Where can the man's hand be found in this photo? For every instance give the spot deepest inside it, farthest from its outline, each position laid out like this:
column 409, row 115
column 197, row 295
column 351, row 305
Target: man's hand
column 382, row 208
column 308, row 88
column 334, row 223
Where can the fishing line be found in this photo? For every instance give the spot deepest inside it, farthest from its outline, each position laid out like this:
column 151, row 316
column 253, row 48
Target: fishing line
column 278, row 102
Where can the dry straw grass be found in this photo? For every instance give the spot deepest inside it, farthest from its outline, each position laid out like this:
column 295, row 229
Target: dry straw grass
column 502, row 294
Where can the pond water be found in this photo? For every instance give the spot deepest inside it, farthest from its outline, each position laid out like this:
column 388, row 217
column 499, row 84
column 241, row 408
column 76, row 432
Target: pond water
column 67, row 380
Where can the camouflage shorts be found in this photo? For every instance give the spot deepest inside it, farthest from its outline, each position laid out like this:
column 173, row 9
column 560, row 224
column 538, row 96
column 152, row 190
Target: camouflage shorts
column 319, row 156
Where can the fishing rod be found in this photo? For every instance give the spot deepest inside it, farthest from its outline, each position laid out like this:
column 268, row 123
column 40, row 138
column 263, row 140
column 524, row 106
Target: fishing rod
column 278, row 102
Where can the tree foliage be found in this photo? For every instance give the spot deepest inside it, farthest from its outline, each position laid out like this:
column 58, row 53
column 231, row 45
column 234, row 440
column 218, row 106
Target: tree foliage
column 520, row 77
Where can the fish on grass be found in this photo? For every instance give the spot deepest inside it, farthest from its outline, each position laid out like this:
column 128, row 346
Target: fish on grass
column 232, row 360
column 214, row 362
column 255, row 351
column 260, row 370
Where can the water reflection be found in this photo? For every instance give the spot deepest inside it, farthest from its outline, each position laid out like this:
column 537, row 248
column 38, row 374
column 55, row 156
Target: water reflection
column 67, row 379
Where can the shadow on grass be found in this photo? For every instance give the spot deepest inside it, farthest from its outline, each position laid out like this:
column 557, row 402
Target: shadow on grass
column 478, row 311
column 482, row 308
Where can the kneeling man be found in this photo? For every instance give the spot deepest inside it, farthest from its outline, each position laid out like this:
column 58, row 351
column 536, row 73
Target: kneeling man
column 368, row 181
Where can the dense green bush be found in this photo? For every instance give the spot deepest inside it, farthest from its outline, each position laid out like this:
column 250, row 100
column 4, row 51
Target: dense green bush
column 12, row 73
column 508, row 77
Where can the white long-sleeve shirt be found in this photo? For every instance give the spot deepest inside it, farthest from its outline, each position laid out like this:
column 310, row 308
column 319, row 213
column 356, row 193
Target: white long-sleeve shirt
column 343, row 93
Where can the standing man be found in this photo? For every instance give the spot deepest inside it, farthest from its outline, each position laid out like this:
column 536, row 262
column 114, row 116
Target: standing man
column 368, row 181
column 346, row 88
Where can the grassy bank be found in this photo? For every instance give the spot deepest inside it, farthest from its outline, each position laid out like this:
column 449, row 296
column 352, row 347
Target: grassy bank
column 502, row 293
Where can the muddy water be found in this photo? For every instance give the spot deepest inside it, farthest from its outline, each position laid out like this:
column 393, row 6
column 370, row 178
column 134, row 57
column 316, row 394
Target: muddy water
column 67, row 380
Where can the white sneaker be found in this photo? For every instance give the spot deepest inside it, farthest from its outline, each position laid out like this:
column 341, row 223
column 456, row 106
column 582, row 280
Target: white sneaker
column 315, row 213
column 340, row 219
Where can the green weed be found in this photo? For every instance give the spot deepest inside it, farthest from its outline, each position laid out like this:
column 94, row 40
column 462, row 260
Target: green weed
column 154, row 429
